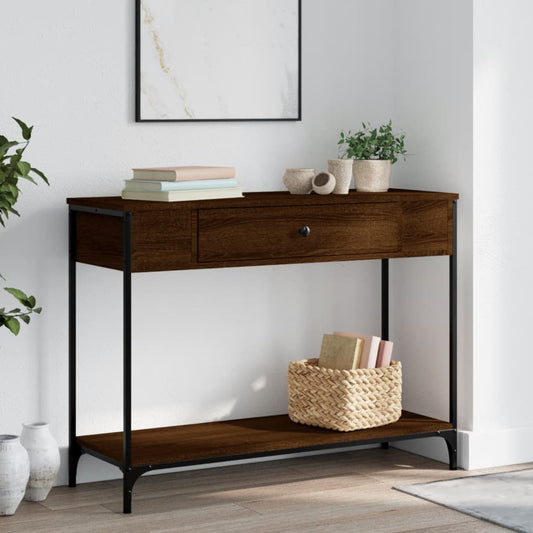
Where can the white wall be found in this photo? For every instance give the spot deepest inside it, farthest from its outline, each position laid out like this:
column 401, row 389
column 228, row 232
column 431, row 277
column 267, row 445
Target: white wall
column 207, row 345
column 503, row 250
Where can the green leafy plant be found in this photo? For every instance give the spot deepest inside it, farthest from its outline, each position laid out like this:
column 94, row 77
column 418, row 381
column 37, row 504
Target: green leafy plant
column 373, row 143
column 13, row 168
column 10, row 318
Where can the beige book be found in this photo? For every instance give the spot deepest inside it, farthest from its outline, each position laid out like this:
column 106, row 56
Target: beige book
column 340, row 353
column 370, row 348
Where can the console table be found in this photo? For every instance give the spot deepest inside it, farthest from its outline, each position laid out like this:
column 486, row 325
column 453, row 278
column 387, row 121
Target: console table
column 263, row 228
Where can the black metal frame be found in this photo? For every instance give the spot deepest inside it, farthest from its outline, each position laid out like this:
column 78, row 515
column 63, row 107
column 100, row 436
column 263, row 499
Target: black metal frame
column 75, row 451
column 130, row 473
column 138, row 80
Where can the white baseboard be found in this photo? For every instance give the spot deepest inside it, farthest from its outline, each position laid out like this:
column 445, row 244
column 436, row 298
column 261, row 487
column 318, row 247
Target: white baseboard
column 484, row 449
column 478, row 449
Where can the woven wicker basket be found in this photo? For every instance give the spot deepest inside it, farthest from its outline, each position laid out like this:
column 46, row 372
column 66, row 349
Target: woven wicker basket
column 344, row 400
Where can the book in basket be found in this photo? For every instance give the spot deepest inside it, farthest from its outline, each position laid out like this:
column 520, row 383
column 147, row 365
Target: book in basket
column 340, row 352
column 370, row 348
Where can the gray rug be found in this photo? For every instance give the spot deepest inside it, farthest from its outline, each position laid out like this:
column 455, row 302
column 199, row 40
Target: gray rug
column 505, row 499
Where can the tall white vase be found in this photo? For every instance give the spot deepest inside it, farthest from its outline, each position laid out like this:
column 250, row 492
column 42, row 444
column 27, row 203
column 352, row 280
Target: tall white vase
column 43, row 452
column 14, row 473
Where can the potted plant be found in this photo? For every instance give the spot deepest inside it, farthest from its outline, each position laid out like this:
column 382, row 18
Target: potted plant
column 15, row 464
column 373, row 150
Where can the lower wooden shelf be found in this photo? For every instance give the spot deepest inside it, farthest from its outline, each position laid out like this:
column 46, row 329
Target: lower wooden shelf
column 248, row 437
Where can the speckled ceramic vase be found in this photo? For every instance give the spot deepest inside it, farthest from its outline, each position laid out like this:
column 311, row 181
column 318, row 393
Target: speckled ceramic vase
column 324, row 183
column 372, row 175
column 14, row 473
column 342, row 170
column 43, row 452
column 299, row 180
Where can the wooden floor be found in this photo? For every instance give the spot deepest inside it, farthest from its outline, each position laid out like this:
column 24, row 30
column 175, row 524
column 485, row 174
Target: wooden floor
column 341, row 492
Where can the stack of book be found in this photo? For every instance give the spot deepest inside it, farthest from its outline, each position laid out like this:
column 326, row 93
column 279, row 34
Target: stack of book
column 179, row 184
column 348, row 351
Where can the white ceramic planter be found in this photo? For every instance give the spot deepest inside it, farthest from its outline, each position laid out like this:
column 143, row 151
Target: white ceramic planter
column 14, row 473
column 342, row 170
column 299, row 180
column 371, row 175
column 43, row 453
column 324, row 183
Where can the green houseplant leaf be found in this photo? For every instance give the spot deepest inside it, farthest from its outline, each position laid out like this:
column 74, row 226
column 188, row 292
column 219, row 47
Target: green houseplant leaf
column 13, row 168
column 13, row 325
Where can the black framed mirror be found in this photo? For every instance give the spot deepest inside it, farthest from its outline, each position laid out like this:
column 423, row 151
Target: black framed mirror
column 218, row 60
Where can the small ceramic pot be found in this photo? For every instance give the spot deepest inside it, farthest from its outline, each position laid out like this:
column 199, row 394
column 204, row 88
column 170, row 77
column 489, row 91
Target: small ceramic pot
column 372, row 175
column 298, row 180
column 324, row 183
column 342, row 170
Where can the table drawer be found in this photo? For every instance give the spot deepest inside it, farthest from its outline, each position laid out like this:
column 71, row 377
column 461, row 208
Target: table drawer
column 256, row 233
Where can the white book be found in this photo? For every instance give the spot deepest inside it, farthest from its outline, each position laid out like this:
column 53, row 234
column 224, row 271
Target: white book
column 182, row 196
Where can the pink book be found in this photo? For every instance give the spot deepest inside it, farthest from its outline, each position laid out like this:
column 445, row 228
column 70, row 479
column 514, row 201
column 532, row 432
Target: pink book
column 370, row 348
column 183, row 173
column 384, row 353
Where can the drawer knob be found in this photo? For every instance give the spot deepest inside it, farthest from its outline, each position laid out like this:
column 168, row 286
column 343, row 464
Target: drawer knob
column 304, row 231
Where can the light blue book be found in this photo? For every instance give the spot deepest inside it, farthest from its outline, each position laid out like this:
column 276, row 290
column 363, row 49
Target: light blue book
column 151, row 185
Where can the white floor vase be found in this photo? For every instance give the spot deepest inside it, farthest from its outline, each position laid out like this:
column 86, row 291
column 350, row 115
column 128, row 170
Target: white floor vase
column 43, row 452
column 14, row 473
